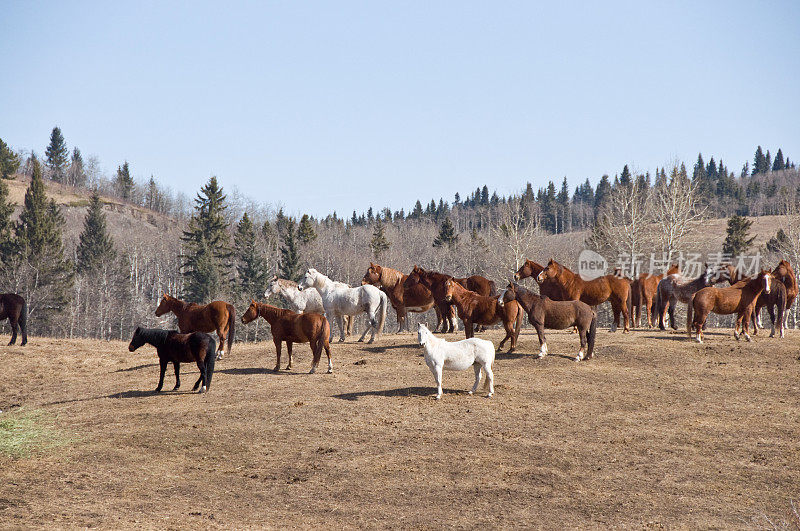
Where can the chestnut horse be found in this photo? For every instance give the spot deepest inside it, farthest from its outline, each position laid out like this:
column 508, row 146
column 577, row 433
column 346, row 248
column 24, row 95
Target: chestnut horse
column 647, row 285
column 404, row 298
column 675, row 287
column 435, row 281
column 175, row 348
column 785, row 274
column 15, row 309
column 484, row 310
column 739, row 299
column 547, row 288
column 774, row 300
column 217, row 316
column 592, row 292
column 292, row 327
column 546, row 313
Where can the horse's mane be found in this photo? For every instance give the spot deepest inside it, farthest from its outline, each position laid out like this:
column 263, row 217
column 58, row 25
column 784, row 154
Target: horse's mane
column 286, row 283
column 155, row 336
column 390, row 277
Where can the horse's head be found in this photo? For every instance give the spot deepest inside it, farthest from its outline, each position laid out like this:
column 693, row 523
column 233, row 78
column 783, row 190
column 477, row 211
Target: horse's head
column 550, row 271
column 528, row 269
column 782, row 270
column 309, row 279
column 423, row 334
column 510, row 293
column 449, row 288
column 137, row 340
column 372, row 276
column 766, row 280
column 274, row 287
column 673, row 269
column 251, row 314
column 165, row 305
column 415, row 276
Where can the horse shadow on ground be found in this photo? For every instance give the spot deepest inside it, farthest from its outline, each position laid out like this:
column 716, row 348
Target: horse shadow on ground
column 139, row 393
column 245, row 371
column 137, row 367
column 382, row 349
column 403, row 392
column 510, row 355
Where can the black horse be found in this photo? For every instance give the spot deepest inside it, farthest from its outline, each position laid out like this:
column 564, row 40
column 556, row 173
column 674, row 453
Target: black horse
column 15, row 309
column 174, row 347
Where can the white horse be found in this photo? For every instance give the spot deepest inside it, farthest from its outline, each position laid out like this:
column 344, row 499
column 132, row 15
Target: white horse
column 458, row 356
column 340, row 300
column 306, row 301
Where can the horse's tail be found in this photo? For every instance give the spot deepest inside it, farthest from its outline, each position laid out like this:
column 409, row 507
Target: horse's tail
column 382, row 308
column 590, row 336
column 211, row 357
column 658, row 310
column 629, row 304
column 492, row 289
column 781, row 308
column 23, row 320
column 689, row 311
column 520, row 316
column 231, row 326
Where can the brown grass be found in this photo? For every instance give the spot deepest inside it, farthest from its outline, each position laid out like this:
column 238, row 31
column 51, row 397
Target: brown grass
column 655, row 431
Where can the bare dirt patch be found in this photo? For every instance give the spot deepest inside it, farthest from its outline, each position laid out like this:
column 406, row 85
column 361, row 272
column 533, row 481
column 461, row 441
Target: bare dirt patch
column 655, row 431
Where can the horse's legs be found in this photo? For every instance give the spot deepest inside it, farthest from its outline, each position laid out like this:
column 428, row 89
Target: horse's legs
column 437, row 375
column 626, row 318
column 177, row 366
column 367, row 329
column 202, row 366
column 771, row 311
column 542, row 340
column 477, row 367
column 616, row 310
column 489, row 379
column 14, row 325
column 327, row 348
column 289, row 351
column 221, row 348
column 672, row 323
column 469, row 331
column 439, row 318
column 340, row 322
column 584, row 341
column 163, row 362
column 746, row 325
column 402, row 315
column 277, row 353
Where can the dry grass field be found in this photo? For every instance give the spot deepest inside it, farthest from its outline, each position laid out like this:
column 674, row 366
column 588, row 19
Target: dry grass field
column 655, row 431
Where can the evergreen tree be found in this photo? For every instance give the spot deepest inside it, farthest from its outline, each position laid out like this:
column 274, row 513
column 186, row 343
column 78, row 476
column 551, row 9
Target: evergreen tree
column 625, row 177
column 456, row 199
column 306, row 233
column 447, row 235
column 207, row 233
column 251, row 268
column 778, row 165
column 379, row 244
column 767, row 162
column 77, row 173
column 759, row 162
column 563, row 205
column 124, row 181
column 417, row 212
column 95, row 247
column 6, row 225
column 56, row 155
column 737, row 240
column 602, row 193
column 290, row 259
column 39, row 249
column 485, row 195
column 9, row 161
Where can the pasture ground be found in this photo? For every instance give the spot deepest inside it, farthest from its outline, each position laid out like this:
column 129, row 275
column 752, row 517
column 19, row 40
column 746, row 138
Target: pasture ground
column 655, row 431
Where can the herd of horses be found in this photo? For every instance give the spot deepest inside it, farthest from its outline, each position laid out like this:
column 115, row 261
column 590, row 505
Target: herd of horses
column 565, row 300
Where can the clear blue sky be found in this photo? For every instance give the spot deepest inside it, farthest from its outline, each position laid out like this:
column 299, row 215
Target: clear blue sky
column 324, row 106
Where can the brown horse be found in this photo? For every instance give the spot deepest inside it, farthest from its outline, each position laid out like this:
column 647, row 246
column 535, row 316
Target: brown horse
column 785, row 274
column 291, row 327
column 217, row 316
column 484, row 310
column 546, row 313
column 175, row 348
column 775, row 302
column 675, row 287
column 15, row 309
column 404, row 298
column 647, row 285
column 592, row 292
column 739, row 299
column 547, row 288
column 435, row 282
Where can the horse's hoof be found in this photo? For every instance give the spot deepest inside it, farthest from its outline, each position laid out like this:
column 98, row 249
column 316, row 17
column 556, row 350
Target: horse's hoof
column 330, row 371
column 747, row 337
column 490, row 395
column 276, row 369
column 542, row 355
column 699, row 340
column 288, row 367
column 202, row 390
column 470, row 392
column 341, row 340
column 438, row 397
column 312, row 371
column 371, row 341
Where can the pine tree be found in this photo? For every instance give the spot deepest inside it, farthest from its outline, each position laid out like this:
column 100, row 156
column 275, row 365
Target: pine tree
column 447, row 235
column 207, row 231
column 39, row 249
column 778, row 165
column 759, row 162
column 379, row 244
column 251, row 268
column 9, row 161
column 602, row 193
column 95, row 246
column 737, row 241
column 56, row 154
column 417, row 212
column 625, row 177
column 485, row 195
column 290, row 259
column 77, row 173
column 306, row 233
column 6, row 225
column 124, row 181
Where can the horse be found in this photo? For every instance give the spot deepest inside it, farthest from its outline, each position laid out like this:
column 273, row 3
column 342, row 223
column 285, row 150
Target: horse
column 739, row 299
column 15, row 309
column 634, row 298
column 339, row 300
column 774, row 300
column 293, row 327
column 217, row 316
column 173, row 347
column 592, row 292
column 547, row 288
column 457, row 356
column 544, row 312
column 435, row 281
column 648, row 287
column 675, row 287
column 484, row 310
column 404, row 299
column 785, row 274
column 306, row 301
